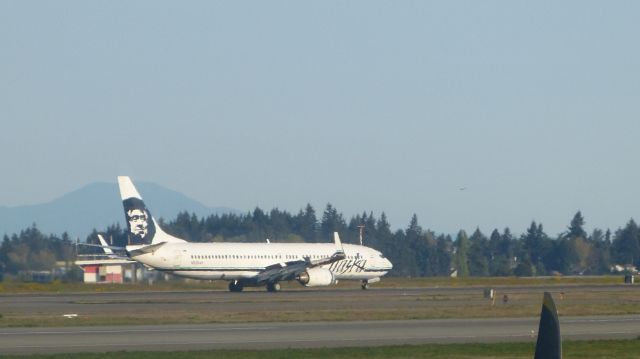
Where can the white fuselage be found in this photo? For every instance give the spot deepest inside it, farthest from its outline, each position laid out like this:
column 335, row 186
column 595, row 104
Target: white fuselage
column 230, row 261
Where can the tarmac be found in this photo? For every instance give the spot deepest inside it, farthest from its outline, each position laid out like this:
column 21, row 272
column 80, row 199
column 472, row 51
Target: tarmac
column 291, row 334
column 303, row 335
column 137, row 303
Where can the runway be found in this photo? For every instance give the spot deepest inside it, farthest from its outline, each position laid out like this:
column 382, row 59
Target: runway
column 303, row 335
column 36, row 323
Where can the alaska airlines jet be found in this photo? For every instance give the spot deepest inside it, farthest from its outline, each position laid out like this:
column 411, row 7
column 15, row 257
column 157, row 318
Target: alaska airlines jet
column 245, row 264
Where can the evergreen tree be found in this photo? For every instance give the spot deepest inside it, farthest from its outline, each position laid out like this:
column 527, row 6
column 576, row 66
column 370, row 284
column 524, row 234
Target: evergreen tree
column 599, row 259
column 478, row 254
column 508, row 245
column 626, row 244
column 307, row 224
column 494, row 244
column 444, row 255
column 414, row 251
column 534, row 244
column 432, row 257
column 370, row 237
column 500, row 254
column 575, row 228
column 383, row 237
column 414, row 229
column 332, row 221
column 461, row 260
column 580, row 249
column 425, row 249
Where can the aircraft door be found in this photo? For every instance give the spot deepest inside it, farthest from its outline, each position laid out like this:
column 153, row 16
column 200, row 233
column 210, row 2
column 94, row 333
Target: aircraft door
column 177, row 258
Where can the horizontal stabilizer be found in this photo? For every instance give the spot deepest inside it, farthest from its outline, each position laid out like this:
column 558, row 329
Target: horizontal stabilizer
column 105, row 248
column 146, row 249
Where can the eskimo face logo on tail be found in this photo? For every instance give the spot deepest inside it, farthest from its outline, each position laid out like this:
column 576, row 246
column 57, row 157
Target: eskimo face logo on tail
column 139, row 221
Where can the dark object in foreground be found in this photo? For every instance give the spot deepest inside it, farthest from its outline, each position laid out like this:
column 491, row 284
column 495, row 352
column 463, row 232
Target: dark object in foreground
column 549, row 345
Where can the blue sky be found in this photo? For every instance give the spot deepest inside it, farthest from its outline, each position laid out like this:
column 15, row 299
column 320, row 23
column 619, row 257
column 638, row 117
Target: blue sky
column 533, row 107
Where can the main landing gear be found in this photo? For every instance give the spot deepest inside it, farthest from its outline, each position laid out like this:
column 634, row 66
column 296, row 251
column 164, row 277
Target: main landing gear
column 238, row 286
column 364, row 285
column 235, row 286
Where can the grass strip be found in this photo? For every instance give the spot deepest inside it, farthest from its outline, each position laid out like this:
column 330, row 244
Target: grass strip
column 8, row 287
column 618, row 349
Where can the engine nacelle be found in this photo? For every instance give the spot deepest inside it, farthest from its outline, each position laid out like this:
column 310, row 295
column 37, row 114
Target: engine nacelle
column 315, row 277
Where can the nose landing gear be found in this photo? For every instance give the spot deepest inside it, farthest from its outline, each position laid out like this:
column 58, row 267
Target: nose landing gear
column 273, row 287
column 235, row 286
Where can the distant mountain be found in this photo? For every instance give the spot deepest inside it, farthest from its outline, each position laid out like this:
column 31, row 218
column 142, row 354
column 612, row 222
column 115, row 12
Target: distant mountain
column 98, row 206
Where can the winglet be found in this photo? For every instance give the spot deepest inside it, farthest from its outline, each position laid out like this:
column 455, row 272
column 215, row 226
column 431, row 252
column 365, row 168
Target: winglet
column 549, row 344
column 336, row 239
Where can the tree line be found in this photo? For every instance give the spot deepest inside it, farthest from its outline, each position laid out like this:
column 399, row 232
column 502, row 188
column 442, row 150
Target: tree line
column 414, row 251
column 31, row 250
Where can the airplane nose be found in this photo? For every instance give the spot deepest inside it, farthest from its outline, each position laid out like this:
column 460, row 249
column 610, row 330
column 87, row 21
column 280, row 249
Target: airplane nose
column 388, row 264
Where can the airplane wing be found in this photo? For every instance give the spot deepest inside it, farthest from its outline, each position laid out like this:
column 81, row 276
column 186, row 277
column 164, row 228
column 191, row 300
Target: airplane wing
column 549, row 343
column 290, row 270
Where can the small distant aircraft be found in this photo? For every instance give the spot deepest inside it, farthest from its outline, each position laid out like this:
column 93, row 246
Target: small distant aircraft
column 244, row 264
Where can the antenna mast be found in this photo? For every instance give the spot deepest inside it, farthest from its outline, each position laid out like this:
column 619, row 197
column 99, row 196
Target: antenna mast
column 361, row 232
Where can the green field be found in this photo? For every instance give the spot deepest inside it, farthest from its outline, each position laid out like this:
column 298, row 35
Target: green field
column 618, row 349
column 571, row 300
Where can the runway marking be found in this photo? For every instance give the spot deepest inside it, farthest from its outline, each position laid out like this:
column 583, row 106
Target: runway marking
column 600, row 320
column 267, row 342
column 140, row 331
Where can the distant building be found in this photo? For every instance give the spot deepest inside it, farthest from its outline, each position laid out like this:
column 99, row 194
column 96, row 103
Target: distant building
column 107, row 270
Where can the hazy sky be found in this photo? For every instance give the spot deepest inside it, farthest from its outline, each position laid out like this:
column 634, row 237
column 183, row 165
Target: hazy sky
column 392, row 106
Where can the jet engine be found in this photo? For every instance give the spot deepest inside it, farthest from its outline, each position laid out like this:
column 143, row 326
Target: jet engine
column 314, row 277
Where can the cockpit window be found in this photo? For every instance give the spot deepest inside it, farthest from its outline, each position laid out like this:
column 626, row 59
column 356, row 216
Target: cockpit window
column 382, row 255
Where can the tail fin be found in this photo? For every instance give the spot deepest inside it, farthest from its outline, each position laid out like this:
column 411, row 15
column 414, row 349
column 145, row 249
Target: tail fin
column 338, row 243
column 549, row 345
column 142, row 227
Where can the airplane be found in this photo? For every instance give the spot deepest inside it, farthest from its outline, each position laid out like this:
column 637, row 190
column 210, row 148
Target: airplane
column 245, row 264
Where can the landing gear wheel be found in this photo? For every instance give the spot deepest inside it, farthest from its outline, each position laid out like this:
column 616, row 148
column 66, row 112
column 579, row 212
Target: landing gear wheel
column 235, row 286
column 364, row 285
column 273, row 287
